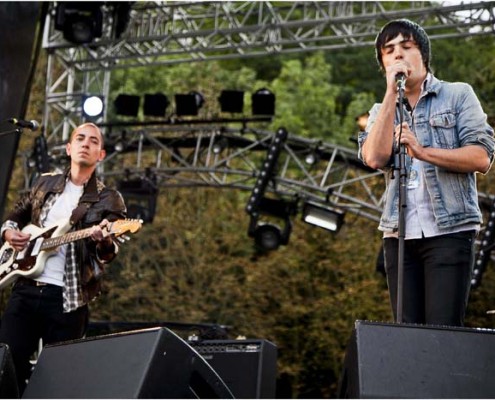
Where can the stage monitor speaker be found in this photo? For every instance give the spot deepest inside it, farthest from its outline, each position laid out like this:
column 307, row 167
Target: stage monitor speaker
column 149, row 363
column 418, row 361
column 248, row 367
column 8, row 380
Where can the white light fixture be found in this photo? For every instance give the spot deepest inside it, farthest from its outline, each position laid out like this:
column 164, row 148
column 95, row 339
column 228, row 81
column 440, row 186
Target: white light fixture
column 92, row 106
column 325, row 217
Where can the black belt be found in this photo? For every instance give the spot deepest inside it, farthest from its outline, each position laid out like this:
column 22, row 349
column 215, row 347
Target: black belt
column 22, row 281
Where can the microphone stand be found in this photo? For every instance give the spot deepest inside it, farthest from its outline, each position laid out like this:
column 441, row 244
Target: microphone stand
column 402, row 202
column 17, row 130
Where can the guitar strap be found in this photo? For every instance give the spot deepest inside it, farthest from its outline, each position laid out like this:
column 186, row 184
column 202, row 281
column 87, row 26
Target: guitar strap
column 89, row 197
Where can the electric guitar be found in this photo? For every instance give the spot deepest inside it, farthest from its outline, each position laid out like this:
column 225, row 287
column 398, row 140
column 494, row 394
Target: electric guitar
column 30, row 261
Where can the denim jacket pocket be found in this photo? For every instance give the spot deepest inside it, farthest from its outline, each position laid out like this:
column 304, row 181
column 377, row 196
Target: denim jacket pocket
column 444, row 132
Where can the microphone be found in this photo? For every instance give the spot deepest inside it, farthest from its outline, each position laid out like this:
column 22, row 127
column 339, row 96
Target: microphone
column 31, row 125
column 400, row 80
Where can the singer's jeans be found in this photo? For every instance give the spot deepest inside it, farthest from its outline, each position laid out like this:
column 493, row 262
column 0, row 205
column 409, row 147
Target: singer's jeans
column 436, row 278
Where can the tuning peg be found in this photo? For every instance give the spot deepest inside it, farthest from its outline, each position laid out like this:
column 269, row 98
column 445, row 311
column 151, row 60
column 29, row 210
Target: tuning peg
column 119, row 239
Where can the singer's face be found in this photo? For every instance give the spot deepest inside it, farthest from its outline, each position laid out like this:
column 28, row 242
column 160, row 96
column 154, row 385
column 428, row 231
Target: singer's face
column 85, row 146
column 404, row 51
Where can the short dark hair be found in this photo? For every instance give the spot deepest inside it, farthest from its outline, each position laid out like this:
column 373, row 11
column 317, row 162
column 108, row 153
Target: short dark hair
column 408, row 29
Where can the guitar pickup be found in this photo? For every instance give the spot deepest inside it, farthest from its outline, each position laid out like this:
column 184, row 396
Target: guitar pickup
column 37, row 247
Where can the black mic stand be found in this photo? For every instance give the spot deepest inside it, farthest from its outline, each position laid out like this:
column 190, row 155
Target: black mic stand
column 17, row 130
column 402, row 202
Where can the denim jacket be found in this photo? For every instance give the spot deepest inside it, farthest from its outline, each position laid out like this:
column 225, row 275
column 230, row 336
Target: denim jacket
column 448, row 116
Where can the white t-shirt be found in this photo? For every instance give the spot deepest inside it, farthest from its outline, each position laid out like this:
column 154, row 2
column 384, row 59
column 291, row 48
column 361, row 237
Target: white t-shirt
column 61, row 211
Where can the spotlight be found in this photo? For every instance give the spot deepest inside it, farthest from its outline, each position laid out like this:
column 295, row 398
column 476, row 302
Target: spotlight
column 231, row 101
column 269, row 236
column 126, row 104
column 312, row 158
column 92, row 106
column 263, row 102
column 324, row 217
column 40, row 154
column 81, row 22
column 121, row 143
column 140, row 198
column 188, row 104
column 155, row 104
column 219, row 145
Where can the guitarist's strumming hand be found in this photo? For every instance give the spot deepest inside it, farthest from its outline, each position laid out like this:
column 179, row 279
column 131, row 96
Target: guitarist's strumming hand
column 17, row 239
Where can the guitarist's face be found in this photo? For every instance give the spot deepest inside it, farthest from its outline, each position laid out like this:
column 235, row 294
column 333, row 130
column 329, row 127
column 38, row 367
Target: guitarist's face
column 86, row 146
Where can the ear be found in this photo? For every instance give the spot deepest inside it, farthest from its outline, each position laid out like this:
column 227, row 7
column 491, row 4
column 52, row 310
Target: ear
column 103, row 154
column 67, row 149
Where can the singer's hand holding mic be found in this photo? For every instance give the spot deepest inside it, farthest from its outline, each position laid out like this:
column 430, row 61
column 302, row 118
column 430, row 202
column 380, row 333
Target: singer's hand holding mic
column 31, row 125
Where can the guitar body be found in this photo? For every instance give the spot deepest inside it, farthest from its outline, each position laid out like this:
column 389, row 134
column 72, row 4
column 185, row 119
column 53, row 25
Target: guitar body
column 30, row 261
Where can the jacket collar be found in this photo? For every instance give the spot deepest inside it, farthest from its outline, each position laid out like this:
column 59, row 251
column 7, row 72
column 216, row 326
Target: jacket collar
column 90, row 194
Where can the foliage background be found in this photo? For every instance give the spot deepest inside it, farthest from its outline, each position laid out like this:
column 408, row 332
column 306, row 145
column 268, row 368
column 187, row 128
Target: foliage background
column 195, row 263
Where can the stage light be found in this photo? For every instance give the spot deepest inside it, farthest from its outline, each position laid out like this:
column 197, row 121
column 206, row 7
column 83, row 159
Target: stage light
column 268, row 236
column 219, row 145
column 40, row 154
column 126, row 104
column 121, row 143
column 140, row 196
column 80, row 22
column 312, row 157
column 92, row 106
column 155, row 105
column 188, row 104
column 266, row 171
column 323, row 216
column 263, row 102
column 231, row 101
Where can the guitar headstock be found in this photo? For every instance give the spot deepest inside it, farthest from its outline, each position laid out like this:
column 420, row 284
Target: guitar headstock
column 122, row 226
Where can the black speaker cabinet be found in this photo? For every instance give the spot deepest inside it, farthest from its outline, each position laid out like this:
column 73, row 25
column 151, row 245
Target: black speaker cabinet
column 248, row 367
column 8, row 381
column 150, row 363
column 418, row 361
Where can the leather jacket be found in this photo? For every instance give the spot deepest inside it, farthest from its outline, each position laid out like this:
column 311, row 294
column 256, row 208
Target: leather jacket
column 100, row 202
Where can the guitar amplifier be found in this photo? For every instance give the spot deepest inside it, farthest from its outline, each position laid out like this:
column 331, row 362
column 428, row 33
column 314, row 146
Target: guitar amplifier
column 247, row 367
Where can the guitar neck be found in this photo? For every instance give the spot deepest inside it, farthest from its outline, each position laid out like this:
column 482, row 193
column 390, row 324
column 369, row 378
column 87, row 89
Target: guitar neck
column 53, row 242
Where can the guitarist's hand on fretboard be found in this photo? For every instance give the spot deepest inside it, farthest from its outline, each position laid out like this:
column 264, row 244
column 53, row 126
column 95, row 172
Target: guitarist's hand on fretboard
column 100, row 234
column 17, row 239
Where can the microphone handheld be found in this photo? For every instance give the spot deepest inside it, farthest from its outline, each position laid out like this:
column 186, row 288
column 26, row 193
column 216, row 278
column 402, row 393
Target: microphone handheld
column 31, row 125
column 400, row 80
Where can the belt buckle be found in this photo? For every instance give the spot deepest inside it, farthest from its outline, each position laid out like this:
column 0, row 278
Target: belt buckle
column 38, row 283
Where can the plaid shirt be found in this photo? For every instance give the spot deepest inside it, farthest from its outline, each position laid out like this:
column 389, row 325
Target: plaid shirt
column 72, row 294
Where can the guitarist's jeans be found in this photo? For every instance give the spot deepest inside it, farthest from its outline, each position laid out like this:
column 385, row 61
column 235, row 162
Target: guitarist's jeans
column 35, row 312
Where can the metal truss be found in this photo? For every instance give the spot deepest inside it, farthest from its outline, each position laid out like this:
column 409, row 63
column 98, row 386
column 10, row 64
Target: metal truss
column 160, row 33
column 174, row 32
